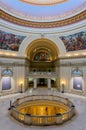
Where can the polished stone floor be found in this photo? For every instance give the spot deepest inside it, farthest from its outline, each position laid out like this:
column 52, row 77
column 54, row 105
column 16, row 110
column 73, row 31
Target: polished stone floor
column 76, row 123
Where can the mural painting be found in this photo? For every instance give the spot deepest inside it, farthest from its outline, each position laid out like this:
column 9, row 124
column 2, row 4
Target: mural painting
column 9, row 41
column 42, row 56
column 75, row 41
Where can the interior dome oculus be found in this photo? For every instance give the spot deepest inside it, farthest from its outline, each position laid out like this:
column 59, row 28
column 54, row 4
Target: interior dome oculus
column 43, row 2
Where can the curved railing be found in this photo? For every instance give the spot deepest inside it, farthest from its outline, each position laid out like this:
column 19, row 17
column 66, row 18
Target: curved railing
column 42, row 120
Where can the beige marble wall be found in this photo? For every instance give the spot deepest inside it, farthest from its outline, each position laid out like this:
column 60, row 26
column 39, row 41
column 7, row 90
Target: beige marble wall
column 65, row 74
column 19, row 74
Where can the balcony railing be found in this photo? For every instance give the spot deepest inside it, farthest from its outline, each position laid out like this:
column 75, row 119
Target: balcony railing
column 42, row 120
column 42, row 74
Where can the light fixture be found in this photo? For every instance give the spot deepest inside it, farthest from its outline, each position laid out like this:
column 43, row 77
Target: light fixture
column 62, row 86
column 43, row 2
column 21, row 86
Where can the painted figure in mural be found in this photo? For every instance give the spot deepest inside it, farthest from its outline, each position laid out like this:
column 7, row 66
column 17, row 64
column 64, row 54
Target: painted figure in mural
column 42, row 56
column 75, row 42
column 9, row 41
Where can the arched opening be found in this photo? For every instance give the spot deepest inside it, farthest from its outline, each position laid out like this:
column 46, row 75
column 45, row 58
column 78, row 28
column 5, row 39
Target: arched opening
column 42, row 55
column 44, row 46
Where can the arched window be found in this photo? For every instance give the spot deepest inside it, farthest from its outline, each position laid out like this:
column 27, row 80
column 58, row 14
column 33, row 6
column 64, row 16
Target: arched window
column 77, row 73
column 7, row 72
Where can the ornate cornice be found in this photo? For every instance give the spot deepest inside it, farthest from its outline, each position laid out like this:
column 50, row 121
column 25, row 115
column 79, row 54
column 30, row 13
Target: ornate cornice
column 12, row 57
column 70, row 64
column 72, row 57
column 79, row 17
column 59, row 58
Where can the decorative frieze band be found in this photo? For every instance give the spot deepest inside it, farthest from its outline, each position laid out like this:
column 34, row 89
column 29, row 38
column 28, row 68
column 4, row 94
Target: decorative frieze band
column 79, row 17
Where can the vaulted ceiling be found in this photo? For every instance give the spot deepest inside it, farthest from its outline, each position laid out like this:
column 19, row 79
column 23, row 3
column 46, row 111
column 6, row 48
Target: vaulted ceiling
column 31, row 11
column 43, row 13
column 42, row 45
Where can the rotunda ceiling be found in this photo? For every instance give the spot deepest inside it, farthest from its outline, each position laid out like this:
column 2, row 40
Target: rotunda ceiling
column 43, row 2
column 43, row 10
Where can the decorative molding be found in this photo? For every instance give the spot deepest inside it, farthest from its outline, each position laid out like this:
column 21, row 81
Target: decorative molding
column 59, row 64
column 9, row 18
column 13, row 57
column 71, row 64
column 18, row 64
column 43, row 2
column 59, row 58
column 72, row 57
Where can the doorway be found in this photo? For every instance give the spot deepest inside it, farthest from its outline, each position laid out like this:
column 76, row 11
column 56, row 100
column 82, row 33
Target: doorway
column 42, row 82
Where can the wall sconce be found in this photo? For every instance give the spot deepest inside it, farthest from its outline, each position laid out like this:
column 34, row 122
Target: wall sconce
column 63, row 85
column 21, row 87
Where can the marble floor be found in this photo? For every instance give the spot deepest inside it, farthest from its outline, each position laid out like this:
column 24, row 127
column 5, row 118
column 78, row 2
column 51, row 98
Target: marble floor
column 78, row 122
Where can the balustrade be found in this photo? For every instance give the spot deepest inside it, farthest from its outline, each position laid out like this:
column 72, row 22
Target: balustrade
column 42, row 120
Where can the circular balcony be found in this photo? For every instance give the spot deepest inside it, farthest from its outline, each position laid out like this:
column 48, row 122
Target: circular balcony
column 42, row 110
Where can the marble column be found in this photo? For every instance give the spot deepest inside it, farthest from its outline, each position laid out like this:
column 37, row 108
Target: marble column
column 35, row 83
column 49, row 83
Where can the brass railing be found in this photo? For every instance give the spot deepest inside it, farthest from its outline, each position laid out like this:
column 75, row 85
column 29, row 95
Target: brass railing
column 42, row 120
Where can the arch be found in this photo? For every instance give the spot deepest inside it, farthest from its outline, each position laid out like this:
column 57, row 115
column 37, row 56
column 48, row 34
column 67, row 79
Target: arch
column 7, row 72
column 54, row 39
column 42, row 45
column 77, row 73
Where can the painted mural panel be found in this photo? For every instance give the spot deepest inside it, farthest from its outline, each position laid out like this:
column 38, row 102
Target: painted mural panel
column 6, row 83
column 42, row 56
column 77, row 83
column 9, row 41
column 75, row 41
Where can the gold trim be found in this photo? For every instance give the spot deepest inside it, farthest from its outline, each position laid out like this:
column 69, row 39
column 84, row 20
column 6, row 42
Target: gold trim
column 27, row 23
column 42, row 3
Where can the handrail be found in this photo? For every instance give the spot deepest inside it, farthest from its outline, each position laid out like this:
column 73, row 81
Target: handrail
column 42, row 120
column 50, row 97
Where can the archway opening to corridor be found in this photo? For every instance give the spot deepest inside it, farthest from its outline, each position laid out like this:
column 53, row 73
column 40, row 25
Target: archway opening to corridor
column 42, row 55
